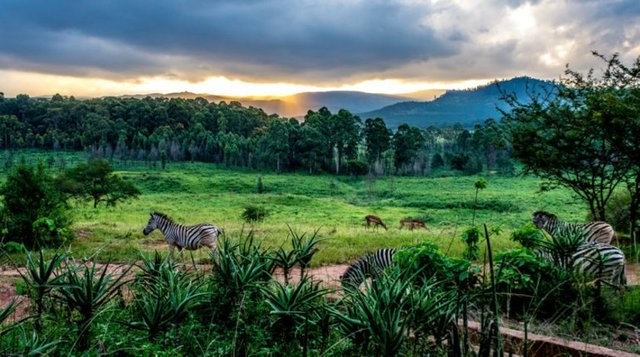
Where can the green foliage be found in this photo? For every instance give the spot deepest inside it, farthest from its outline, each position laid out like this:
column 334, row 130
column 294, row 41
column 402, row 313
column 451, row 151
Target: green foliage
column 259, row 185
column 529, row 236
column 163, row 297
column 88, row 290
column 471, row 237
column 296, row 310
column 12, row 247
column 626, row 308
column 427, row 262
column 377, row 318
column 437, row 161
column 95, row 180
column 356, row 168
column 34, row 212
column 575, row 136
column 618, row 214
column 253, row 213
column 42, row 276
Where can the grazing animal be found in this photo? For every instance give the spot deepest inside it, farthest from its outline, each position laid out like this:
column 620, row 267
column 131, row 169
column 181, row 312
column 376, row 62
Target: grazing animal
column 369, row 266
column 375, row 220
column 181, row 236
column 412, row 223
column 600, row 232
column 601, row 261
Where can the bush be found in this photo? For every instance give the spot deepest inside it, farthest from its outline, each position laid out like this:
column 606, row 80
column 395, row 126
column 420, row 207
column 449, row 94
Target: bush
column 254, row 213
column 35, row 212
column 617, row 211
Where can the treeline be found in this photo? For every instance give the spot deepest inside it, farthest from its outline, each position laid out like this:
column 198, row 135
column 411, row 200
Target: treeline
column 176, row 129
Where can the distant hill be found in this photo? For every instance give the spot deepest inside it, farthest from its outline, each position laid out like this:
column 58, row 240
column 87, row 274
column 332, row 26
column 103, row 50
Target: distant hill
column 467, row 107
column 297, row 105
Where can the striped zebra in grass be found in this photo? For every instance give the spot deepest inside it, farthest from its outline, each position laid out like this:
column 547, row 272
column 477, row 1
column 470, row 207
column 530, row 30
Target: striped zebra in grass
column 181, row 236
column 369, row 266
column 600, row 261
column 599, row 232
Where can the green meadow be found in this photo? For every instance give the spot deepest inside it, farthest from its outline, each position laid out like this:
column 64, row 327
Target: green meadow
column 334, row 206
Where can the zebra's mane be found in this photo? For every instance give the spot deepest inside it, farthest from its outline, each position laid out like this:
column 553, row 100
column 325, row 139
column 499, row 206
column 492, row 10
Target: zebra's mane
column 545, row 213
column 160, row 214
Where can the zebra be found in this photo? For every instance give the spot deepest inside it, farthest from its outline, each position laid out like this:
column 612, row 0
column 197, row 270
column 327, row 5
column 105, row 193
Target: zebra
column 601, row 261
column 181, row 236
column 369, row 266
column 599, row 232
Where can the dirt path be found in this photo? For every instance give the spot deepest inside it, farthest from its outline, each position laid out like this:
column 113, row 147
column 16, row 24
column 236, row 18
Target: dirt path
column 329, row 275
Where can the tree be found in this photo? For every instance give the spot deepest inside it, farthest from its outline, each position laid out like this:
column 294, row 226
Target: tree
column 95, row 181
column 377, row 138
column 347, row 135
column 578, row 136
column 406, row 142
column 34, row 212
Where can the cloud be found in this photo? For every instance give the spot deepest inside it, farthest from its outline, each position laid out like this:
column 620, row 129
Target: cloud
column 324, row 42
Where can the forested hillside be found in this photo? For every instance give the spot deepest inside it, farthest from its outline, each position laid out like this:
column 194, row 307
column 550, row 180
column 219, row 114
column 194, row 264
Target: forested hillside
column 177, row 129
column 467, row 107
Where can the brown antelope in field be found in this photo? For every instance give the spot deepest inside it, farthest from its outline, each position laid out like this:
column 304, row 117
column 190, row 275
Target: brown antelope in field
column 412, row 223
column 375, row 220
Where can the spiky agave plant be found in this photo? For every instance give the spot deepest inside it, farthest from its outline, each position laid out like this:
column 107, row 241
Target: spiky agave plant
column 304, row 248
column 40, row 275
column 88, row 290
column 164, row 298
column 294, row 308
column 377, row 316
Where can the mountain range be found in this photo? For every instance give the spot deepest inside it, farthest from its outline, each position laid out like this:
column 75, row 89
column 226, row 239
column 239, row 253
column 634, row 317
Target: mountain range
column 297, row 105
column 467, row 107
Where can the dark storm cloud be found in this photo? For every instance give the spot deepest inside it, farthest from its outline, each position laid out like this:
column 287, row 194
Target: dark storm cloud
column 147, row 37
column 319, row 42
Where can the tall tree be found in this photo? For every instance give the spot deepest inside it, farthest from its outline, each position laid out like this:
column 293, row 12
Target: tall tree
column 406, row 142
column 346, row 127
column 377, row 138
column 574, row 137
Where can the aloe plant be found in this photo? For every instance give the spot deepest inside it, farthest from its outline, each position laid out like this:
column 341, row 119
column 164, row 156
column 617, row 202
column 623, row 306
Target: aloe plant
column 293, row 307
column 378, row 315
column 304, row 249
column 41, row 277
column 164, row 300
column 88, row 290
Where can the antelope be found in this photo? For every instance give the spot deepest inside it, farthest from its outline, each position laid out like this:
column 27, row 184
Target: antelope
column 375, row 220
column 412, row 223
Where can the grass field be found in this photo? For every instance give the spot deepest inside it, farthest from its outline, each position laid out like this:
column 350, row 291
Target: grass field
column 335, row 206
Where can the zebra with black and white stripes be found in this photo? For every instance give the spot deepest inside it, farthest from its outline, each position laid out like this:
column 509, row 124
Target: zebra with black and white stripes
column 369, row 266
column 181, row 236
column 599, row 232
column 600, row 261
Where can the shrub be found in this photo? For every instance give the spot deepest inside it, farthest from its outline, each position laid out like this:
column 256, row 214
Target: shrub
column 34, row 212
column 259, row 185
column 254, row 213
column 471, row 237
column 529, row 236
column 617, row 211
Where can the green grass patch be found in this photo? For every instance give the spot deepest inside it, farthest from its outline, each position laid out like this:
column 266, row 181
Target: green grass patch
column 197, row 192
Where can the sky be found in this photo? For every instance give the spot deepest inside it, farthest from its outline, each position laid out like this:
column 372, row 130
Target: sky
column 280, row 47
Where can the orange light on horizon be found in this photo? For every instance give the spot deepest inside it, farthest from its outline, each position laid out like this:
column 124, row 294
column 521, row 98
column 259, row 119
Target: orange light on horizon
column 37, row 84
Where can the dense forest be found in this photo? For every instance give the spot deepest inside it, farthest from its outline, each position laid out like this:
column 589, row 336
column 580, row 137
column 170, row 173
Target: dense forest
column 176, row 129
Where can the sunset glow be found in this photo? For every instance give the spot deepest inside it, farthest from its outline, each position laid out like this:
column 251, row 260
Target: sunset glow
column 282, row 47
